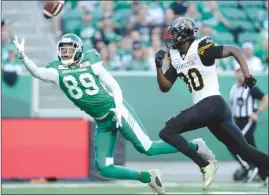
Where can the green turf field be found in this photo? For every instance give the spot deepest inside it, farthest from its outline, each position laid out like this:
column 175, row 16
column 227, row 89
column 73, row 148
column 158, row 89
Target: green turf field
column 129, row 188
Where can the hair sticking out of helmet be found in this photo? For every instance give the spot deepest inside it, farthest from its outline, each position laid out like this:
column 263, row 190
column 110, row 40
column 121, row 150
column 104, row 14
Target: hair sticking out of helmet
column 70, row 49
column 181, row 30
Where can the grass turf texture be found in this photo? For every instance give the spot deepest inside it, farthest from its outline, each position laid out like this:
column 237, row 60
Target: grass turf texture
column 129, row 188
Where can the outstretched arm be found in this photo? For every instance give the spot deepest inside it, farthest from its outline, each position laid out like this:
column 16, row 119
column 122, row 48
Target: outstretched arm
column 45, row 74
column 208, row 52
column 106, row 78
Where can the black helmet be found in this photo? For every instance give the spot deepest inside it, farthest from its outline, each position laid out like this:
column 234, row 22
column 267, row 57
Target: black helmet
column 181, row 30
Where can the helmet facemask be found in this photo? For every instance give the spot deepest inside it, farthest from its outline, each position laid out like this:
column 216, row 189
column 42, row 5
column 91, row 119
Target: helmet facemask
column 180, row 33
column 68, row 52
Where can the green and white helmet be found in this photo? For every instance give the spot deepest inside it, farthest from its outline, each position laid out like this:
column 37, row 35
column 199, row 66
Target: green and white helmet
column 70, row 49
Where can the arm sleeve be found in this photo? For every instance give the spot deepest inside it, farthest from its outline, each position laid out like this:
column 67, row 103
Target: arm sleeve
column 44, row 74
column 208, row 51
column 256, row 93
column 106, row 78
column 171, row 74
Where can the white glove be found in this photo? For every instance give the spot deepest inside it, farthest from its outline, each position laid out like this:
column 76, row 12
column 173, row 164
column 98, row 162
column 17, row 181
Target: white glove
column 20, row 47
column 117, row 116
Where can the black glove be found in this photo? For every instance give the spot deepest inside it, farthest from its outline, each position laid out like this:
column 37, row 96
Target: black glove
column 250, row 82
column 159, row 56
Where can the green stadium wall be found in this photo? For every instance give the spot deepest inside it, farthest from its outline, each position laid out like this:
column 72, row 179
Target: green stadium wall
column 16, row 100
column 152, row 106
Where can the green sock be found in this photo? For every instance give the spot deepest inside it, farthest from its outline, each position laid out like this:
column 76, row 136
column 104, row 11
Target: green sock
column 119, row 172
column 161, row 147
column 144, row 177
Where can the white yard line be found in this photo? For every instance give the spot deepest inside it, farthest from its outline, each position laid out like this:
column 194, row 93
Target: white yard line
column 123, row 184
column 213, row 193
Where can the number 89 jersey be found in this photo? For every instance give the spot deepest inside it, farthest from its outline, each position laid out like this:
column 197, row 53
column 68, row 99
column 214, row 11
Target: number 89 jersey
column 83, row 87
column 201, row 80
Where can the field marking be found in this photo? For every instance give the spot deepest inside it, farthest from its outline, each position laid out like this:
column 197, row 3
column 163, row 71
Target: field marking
column 214, row 193
column 124, row 184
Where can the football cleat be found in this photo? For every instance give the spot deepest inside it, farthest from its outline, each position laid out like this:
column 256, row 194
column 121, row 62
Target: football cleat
column 203, row 150
column 251, row 174
column 208, row 174
column 155, row 182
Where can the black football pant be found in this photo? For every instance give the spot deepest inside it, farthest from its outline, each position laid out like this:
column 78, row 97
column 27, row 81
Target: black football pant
column 248, row 128
column 212, row 112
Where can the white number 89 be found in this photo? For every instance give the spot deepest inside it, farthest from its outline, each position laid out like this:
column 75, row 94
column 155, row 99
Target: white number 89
column 86, row 80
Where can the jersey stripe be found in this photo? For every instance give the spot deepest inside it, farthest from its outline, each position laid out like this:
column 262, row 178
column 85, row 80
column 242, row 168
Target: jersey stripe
column 206, row 46
column 137, row 129
column 202, row 49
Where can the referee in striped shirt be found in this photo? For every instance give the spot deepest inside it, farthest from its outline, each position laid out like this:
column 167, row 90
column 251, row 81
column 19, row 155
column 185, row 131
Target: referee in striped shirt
column 246, row 111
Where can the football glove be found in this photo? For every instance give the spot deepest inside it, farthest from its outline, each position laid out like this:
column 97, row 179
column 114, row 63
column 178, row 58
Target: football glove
column 20, row 47
column 250, row 82
column 117, row 116
column 159, row 56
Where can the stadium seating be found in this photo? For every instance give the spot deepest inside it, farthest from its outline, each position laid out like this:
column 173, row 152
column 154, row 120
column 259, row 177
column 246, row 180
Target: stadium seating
column 233, row 14
column 246, row 19
column 245, row 25
column 228, row 4
column 248, row 4
column 255, row 13
column 247, row 37
column 224, row 38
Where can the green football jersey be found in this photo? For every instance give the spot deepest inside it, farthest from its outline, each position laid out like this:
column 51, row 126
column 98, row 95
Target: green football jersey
column 83, row 87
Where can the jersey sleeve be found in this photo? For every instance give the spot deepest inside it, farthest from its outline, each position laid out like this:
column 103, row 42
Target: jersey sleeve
column 45, row 74
column 256, row 93
column 106, row 78
column 171, row 74
column 209, row 51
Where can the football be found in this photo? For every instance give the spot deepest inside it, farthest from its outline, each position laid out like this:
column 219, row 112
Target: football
column 52, row 8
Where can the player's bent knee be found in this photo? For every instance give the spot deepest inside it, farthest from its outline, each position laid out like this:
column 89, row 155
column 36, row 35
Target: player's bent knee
column 164, row 135
column 149, row 152
column 106, row 171
column 101, row 163
column 167, row 131
column 142, row 150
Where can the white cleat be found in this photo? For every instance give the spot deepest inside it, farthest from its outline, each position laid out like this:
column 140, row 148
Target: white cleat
column 156, row 182
column 203, row 150
column 208, row 174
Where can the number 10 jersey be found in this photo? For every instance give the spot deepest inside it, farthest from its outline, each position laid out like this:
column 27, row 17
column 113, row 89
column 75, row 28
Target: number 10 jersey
column 83, row 87
column 201, row 80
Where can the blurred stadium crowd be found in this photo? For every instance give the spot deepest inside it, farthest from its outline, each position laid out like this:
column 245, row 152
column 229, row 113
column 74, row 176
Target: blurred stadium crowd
column 129, row 33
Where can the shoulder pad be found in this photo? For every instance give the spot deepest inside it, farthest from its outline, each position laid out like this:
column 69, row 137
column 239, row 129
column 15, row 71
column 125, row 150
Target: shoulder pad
column 93, row 56
column 205, row 43
column 206, row 40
